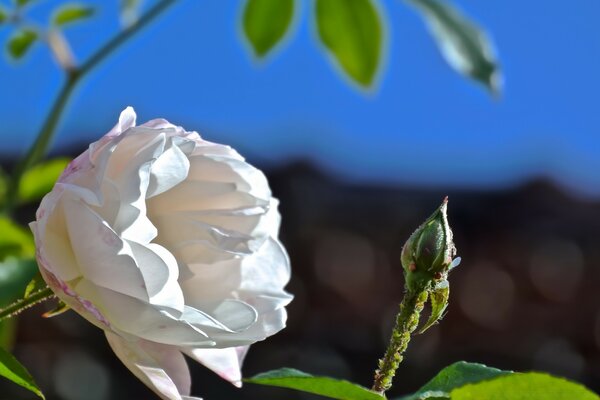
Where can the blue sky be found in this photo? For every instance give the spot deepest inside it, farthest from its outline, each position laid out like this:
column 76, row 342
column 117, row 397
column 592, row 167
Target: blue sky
column 424, row 125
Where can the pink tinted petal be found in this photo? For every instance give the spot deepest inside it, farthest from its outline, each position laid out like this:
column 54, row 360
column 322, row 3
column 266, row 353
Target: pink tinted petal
column 162, row 368
column 226, row 363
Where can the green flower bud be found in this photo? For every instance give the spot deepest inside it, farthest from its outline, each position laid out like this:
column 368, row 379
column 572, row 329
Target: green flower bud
column 427, row 255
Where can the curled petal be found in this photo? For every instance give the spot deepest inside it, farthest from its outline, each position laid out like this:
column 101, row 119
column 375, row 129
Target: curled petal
column 162, row 368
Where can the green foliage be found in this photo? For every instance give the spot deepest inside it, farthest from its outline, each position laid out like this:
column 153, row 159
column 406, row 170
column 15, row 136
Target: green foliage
column 352, row 31
column 14, row 275
column 12, row 370
column 15, row 240
column 22, row 3
column 526, row 386
column 454, row 376
column 36, row 283
column 463, row 44
column 71, row 13
column 3, row 15
column 7, row 333
column 265, row 23
column 18, row 45
column 324, row 386
column 40, row 179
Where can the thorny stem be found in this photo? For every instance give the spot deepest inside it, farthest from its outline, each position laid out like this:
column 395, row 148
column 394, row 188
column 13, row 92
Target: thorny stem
column 406, row 323
column 23, row 304
column 40, row 146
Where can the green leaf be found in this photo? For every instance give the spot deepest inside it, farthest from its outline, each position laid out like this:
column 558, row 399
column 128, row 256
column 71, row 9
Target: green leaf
column 15, row 240
column 20, row 42
column 352, row 32
column 455, row 376
column 3, row 15
column 439, row 301
column 40, row 179
column 36, row 283
column 8, row 329
column 464, row 45
column 12, row 370
column 525, row 386
column 3, row 186
column 324, row 386
column 22, row 3
column 72, row 13
column 265, row 23
column 14, row 275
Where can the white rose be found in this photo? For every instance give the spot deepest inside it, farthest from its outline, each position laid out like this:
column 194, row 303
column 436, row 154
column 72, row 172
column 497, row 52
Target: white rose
column 169, row 244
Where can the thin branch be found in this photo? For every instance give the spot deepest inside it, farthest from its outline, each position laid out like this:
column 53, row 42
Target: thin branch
column 39, row 148
column 23, row 304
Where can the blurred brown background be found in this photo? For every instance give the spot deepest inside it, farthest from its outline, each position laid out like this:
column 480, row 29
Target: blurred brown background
column 524, row 298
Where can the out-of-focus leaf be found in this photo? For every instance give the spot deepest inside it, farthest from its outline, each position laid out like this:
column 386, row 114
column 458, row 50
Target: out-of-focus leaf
column 130, row 10
column 14, row 275
column 22, row 3
column 12, row 370
column 3, row 15
column 454, row 376
column 15, row 240
column 40, row 179
column 321, row 385
column 265, row 23
column 352, row 32
column 18, row 44
column 71, row 13
column 8, row 329
column 464, row 45
column 524, row 386
column 3, row 186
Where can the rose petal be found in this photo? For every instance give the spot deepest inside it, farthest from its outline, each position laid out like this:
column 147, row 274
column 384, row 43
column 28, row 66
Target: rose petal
column 226, row 363
column 162, row 368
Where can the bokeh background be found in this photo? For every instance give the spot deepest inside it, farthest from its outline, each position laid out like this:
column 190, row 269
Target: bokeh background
column 356, row 172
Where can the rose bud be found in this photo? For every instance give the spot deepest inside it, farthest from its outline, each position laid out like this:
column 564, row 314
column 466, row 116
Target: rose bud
column 427, row 255
column 169, row 244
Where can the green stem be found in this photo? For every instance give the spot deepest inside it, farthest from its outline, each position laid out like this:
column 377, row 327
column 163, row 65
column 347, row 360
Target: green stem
column 40, row 146
column 406, row 322
column 23, row 304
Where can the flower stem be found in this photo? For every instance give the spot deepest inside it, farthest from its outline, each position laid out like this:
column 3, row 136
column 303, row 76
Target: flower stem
column 406, row 322
column 23, row 304
column 40, row 146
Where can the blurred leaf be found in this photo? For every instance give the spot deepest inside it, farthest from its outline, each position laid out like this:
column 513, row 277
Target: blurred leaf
column 40, row 179
column 8, row 328
column 130, row 11
column 14, row 275
column 15, row 240
column 321, row 385
column 265, row 23
column 72, row 13
column 463, row 44
column 12, row 370
column 454, row 376
column 20, row 42
column 524, row 386
column 22, row 3
column 3, row 186
column 3, row 15
column 352, row 31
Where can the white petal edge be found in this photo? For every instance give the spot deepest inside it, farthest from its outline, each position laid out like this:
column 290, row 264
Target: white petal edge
column 162, row 368
column 227, row 363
